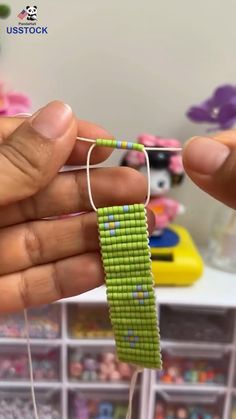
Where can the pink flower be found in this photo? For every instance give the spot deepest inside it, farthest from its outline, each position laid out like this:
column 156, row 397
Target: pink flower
column 149, row 140
column 135, row 158
column 176, row 165
column 12, row 103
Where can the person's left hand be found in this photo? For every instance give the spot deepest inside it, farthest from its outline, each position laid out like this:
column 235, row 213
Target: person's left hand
column 44, row 260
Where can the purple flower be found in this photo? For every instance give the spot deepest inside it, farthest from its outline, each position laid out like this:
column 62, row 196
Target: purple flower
column 220, row 109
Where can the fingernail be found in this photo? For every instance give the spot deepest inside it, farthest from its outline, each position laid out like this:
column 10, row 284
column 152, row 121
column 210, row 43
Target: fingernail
column 53, row 120
column 205, row 155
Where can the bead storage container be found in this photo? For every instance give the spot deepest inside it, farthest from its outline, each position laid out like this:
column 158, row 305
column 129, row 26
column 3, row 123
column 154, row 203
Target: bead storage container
column 100, row 405
column 87, row 321
column 44, row 323
column 233, row 408
column 196, row 324
column 17, row 404
column 194, row 366
column 174, row 405
column 89, row 364
column 14, row 364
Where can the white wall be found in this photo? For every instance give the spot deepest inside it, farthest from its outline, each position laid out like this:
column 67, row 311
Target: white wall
column 129, row 65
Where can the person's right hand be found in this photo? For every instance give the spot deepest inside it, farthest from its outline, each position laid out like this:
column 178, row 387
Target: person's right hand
column 44, row 260
column 211, row 163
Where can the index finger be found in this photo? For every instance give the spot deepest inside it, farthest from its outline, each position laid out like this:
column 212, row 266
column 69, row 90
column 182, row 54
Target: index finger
column 78, row 156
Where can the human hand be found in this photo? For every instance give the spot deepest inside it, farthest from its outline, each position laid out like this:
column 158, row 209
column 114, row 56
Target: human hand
column 211, row 164
column 45, row 260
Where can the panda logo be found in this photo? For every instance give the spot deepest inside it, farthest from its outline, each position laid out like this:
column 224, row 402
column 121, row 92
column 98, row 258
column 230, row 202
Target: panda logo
column 32, row 12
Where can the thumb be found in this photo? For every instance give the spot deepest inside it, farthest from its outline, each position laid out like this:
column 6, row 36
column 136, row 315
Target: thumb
column 32, row 154
column 211, row 163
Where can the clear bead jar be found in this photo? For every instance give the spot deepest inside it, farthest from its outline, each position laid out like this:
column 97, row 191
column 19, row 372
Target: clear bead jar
column 222, row 242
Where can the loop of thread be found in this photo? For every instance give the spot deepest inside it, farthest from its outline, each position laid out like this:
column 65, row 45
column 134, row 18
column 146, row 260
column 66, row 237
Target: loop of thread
column 89, row 183
column 131, row 391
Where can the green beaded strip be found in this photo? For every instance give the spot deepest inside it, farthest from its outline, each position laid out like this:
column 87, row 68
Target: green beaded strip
column 126, row 145
column 130, row 293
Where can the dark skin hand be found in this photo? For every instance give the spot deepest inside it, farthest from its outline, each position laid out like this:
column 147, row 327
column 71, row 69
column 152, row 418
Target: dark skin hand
column 44, row 260
column 211, row 163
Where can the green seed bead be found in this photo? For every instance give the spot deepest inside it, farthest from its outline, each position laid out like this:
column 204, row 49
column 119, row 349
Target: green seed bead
column 137, row 326
column 127, row 268
column 130, row 288
column 132, row 238
column 125, row 260
column 132, row 216
column 145, row 353
column 109, row 248
column 140, row 273
column 115, row 232
column 145, row 334
column 127, row 281
column 149, row 320
column 123, row 224
column 117, row 254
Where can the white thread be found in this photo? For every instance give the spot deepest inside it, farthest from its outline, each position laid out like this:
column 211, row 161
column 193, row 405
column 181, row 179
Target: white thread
column 164, row 148
column 89, row 183
column 131, row 391
column 148, row 178
column 30, row 365
column 23, row 114
column 88, row 140
column 88, row 178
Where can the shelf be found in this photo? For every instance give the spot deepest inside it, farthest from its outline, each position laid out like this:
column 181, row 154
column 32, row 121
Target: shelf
column 165, row 344
column 98, row 386
column 214, row 289
column 89, row 342
column 33, row 341
column 55, row 385
column 190, row 387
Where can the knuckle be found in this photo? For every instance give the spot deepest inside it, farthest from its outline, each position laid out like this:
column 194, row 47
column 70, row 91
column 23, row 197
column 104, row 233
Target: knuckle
column 27, row 163
column 81, row 187
column 24, row 290
column 33, row 244
column 131, row 180
column 57, row 289
column 40, row 288
column 132, row 175
column 28, row 209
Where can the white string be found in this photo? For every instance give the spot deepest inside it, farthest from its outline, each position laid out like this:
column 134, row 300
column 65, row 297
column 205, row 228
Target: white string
column 89, row 183
column 30, row 365
column 131, row 391
column 90, row 140
column 88, row 178
column 22, row 114
column 164, row 148
column 148, row 178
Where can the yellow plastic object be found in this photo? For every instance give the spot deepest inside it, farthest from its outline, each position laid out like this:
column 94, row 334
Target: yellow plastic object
column 179, row 265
